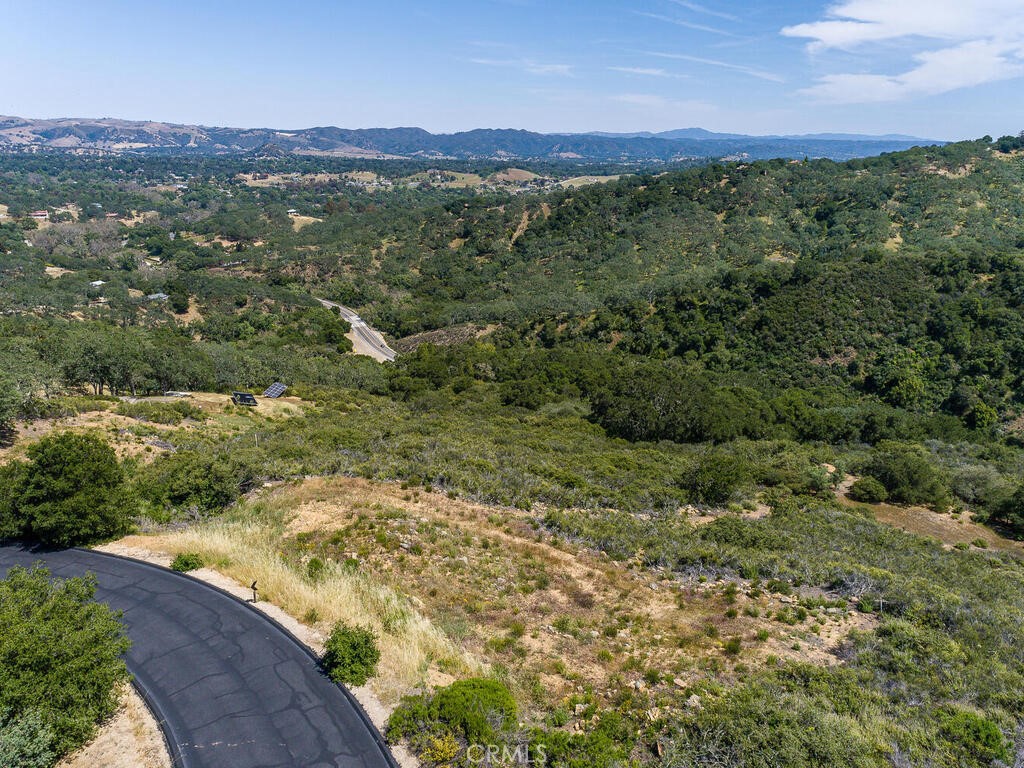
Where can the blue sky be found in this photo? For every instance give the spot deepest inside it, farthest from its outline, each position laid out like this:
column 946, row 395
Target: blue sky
column 936, row 68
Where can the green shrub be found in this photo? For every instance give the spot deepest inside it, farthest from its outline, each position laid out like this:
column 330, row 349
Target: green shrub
column 351, row 654
column 315, row 568
column 908, row 475
column 475, row 708
column 411, row 717
column 12, row 481
column 26, row 741
column 976, row 735
column 72, row 492
column 53, row 693
column 187, row 561
column 713, row 477
column 204, row 482
column 868, row 490
column 160, row 412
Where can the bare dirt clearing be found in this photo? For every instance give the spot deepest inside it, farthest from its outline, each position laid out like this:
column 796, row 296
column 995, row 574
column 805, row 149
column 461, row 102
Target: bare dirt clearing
column 513, row 174
column 950, row 529
column 298, row 221
column 131, row 739
column 583, row 181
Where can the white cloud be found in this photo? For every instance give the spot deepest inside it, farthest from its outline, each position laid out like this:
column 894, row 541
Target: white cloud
column 758, row 73
column 957, row 44
column 528, row 65
column 648, row 72
column 653, row 101
column 642, row 99
column 698, row 8
column 684, row 23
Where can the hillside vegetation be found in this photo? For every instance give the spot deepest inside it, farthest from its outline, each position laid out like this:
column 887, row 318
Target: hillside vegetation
column 656, row 383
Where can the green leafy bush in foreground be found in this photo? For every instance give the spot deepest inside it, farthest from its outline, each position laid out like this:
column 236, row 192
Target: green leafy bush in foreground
column 26, row 741
column 351, row 654
column 468, row 717
column 475, row 708
column 187, row 561
column 71, row 492
column 60, row 665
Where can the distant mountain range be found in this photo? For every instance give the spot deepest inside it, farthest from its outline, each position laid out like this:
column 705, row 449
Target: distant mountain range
column 127, row 136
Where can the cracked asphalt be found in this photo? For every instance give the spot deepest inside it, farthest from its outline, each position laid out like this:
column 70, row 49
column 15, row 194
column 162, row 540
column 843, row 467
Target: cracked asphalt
column 231, row 688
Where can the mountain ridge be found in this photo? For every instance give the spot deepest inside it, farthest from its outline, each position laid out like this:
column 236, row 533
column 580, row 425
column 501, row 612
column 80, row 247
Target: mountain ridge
column 156, row 137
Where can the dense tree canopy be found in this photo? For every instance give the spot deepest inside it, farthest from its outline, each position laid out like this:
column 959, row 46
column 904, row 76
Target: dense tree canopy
column 60, row 665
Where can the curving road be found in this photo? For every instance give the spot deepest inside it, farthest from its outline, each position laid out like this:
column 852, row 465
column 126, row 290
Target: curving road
column 366, row 340
column 231, row 688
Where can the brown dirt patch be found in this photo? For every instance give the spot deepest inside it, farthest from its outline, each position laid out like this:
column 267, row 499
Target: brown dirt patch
column 193, row 315
column 129, row 437
column 513, row 174
column 298, row 222
column 945, row 527
column 131, row 739
column 524, row 223
column 583, row 181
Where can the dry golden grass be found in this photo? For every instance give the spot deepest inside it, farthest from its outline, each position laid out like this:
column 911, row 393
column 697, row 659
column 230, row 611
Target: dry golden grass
column 583, row 181
column 513, row 174
column 298, row 222
column 554, row 615
column 411, row 647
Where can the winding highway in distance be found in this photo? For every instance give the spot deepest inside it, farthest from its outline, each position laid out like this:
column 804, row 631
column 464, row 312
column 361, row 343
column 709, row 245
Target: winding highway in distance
column 229, row 687
column 365, row 339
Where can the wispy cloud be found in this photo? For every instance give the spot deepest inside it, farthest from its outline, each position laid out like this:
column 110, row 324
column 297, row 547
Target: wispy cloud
column 954, row 45
column 528, row 65
column 684, row 23
column 697, row 8
column 656, row 101
column 649, row 72
column 758, row 73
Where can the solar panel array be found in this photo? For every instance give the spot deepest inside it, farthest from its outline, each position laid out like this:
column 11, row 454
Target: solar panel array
column 243, row 398
column 275, row 390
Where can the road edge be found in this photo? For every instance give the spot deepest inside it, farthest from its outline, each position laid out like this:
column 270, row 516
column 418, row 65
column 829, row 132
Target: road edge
column 173, row 750
column 177, row 759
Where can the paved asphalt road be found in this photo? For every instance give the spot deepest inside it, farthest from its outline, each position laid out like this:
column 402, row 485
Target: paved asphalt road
column 372, row 343
column 233, row 689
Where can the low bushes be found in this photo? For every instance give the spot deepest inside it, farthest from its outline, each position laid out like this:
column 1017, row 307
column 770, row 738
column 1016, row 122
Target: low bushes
column 476, row 710
column 475, row 718
column 868, row 490
column 351, row 654
column 160, row 412
column 908, row 475
column 187, row 561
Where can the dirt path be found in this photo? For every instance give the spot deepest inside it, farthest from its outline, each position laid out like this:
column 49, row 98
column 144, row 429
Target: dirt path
column 524, row 223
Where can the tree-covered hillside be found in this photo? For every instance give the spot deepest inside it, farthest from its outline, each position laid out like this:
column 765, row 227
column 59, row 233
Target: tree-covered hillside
column 719, row 375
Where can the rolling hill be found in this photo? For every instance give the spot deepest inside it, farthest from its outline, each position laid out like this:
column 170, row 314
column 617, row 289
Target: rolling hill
column 114, row 135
